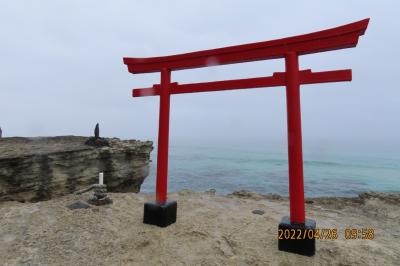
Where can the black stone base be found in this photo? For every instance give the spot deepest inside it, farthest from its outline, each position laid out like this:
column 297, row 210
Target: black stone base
column 304, row 242
column 160, row 214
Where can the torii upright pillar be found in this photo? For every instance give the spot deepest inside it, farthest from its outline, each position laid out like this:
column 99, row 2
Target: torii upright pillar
column 295, row 151
column 163, row 137
column 163, row 212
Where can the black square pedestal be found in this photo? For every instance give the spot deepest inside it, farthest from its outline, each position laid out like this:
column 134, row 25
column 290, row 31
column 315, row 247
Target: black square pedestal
column 299, row 240
column 160, row 214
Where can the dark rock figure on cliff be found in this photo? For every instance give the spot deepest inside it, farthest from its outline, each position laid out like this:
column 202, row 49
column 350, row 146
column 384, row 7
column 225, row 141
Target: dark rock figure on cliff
column 97, row 131
column 96, row 140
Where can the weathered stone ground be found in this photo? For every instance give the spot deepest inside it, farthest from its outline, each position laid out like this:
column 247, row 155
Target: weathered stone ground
column 210, row 230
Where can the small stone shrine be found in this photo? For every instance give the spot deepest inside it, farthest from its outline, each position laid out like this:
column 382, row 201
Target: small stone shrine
column 99, row 196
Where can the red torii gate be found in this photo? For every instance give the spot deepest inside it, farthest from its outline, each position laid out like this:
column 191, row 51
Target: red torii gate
column 163, row 213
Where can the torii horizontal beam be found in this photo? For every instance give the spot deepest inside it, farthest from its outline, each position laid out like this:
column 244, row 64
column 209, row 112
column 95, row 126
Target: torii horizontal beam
column 341, row 37
column 277, row 79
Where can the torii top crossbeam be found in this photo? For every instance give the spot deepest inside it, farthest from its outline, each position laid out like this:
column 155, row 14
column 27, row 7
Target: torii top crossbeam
column 290, row 49
column 331, row 39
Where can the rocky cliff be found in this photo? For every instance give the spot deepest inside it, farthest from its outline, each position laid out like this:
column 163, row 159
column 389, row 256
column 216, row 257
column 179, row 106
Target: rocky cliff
column 34, row 169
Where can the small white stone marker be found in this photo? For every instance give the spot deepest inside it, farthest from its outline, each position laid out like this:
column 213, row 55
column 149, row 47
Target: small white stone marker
column 101, row 178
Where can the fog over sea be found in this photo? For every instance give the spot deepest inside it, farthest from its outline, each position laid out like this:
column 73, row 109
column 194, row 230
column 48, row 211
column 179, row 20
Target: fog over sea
column 327, row 172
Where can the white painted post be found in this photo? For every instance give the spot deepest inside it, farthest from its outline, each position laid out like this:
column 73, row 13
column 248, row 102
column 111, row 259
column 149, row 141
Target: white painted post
column 101, row 178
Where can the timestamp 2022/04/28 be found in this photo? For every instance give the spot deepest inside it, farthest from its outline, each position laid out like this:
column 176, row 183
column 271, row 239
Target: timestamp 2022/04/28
column 327, row 233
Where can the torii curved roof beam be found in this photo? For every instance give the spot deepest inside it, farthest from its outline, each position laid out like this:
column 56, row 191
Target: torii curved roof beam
column 345, row 36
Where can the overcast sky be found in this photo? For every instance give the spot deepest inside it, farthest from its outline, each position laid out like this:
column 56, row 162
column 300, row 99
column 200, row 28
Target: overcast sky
column 61, row 70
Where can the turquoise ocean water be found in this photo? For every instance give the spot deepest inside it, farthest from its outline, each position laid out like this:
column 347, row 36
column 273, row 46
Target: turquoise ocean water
column 227, row 169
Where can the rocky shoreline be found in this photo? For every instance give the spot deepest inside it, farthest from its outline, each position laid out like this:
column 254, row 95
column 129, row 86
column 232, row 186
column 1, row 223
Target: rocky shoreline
column 389, row 198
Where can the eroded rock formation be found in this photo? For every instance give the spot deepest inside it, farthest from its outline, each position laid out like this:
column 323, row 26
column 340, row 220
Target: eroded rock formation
column 34, row 169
